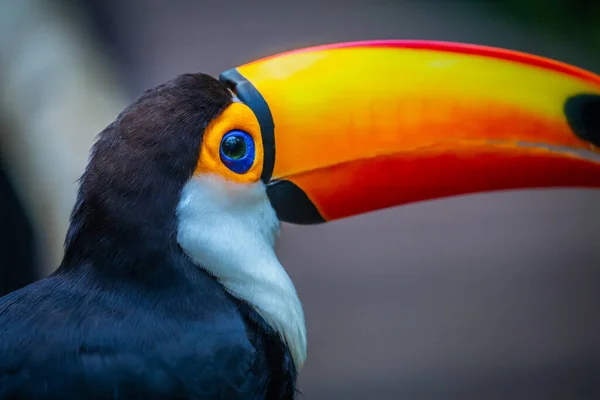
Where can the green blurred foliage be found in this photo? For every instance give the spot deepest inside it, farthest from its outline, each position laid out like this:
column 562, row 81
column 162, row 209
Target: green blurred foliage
column 576, row 19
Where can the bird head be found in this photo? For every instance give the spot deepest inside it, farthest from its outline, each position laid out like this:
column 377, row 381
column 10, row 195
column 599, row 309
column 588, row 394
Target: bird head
column 208, row 167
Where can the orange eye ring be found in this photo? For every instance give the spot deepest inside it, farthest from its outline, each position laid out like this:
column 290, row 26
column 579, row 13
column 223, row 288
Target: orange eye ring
column 237, row 120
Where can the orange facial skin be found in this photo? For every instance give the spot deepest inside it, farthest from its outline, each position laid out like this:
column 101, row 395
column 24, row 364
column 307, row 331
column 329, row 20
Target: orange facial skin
column 236, row 116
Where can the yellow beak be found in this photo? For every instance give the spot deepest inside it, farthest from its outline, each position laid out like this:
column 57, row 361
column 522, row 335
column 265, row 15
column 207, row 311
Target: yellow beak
column 356, row 127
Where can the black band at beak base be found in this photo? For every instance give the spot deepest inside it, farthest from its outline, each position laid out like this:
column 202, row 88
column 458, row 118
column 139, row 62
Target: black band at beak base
column 248, row 94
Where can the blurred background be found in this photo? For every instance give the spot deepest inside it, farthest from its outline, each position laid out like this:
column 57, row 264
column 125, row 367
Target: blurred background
column 491, row 296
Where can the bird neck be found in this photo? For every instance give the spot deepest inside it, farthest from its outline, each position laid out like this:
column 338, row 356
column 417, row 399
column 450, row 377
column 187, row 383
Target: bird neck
column 127, row 238
column 231, row 233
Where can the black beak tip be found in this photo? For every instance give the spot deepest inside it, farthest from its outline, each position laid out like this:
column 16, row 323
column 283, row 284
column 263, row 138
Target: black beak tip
column 583, row 114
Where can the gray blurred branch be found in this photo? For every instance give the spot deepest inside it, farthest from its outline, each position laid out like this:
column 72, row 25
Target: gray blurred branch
column 59, row 93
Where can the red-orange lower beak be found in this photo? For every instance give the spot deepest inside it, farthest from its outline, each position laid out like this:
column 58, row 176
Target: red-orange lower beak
column 357, row 127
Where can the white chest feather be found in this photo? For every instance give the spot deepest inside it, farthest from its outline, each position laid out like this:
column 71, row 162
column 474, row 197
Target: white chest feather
column 230, row 230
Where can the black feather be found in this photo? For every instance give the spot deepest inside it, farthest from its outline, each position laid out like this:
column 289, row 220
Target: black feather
column 127, row 315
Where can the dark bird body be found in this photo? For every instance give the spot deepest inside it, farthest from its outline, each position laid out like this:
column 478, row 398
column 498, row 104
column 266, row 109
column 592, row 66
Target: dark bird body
column 173, row 333
column 128, row 315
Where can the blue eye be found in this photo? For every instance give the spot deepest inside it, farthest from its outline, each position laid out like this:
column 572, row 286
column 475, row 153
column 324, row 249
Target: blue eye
column 237, row 151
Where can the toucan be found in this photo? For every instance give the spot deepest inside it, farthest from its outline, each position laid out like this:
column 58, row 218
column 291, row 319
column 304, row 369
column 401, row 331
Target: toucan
column 170, row 287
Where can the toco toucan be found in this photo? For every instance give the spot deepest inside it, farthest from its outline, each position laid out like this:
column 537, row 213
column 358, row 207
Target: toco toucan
column 170, row 287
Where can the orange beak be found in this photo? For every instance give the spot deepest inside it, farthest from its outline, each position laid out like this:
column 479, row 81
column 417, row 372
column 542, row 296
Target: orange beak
column 356, row 127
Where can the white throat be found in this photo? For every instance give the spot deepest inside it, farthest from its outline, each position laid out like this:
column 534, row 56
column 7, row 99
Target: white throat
column 230, row 229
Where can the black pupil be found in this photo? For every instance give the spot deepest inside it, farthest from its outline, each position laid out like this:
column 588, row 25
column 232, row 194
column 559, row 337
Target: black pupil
column 234, row 147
